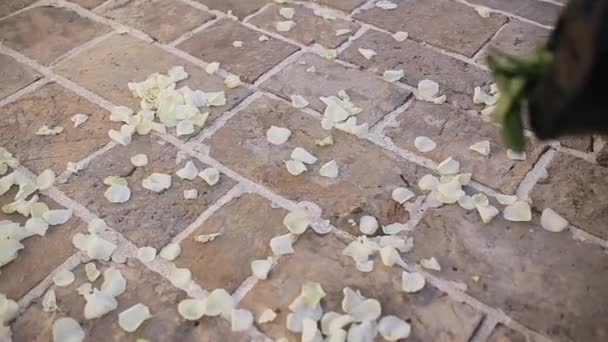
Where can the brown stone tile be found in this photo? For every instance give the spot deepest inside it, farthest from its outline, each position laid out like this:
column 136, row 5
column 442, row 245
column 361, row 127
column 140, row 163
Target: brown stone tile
column 52, row 105
column 375, row 96
column 143, row 286
column 462, row 30
column 41, row 255
column 550, row 282
column 454, row 131
column 148, row 218
column 163, row 20
column 359, row 190
column 504, row 334
column 581, row 143
column 342, row 5
column 10, row 6
column 309, row 29
column 46, row 33
column 250, row 61
column 457, row 79
column 517, row 38
column 542, row 12
column 14, row 76
column 107, row 68
column 433, row 315
column 577, row 190
column 239, row 8
column 247, row 224
column 88, row 4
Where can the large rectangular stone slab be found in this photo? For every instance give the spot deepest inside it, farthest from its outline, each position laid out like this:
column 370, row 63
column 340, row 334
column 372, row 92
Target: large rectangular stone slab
column 106, row 69
column 163, row 20
column 148, row 218
column 457, row 79
column 309, row 29
column 45, row 33
column 238, row 8
column 14, row 76
column 143, row 286
column 40, row 255
column 376, row 97
column 443, row 23
column 254, row 58
column 550, row 282
column 368, row 174
column 52, row 105
column 455, row 131
column 247, row 224
column 577, row 190
column 432, row 314
column 542, row 12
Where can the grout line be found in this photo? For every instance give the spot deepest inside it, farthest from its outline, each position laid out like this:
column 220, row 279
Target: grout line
column 32, row 87
column 489, row 42
column 591, row 158
column 506, row 14
column 84, row 162
column 86, row 46
column 196, row 30
column 484, row 330
column 278, row 67
column 26, row 8
column 537, row 173
column 255, row 13
column 352, row 38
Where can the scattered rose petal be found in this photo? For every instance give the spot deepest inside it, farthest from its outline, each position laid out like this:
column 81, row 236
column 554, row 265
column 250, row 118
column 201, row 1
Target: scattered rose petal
column 392, row 328
column 67, row 329
column 282, row 244
column 146, row 254
column 157, row 182
column 58, row 216
column 63, row 278
column 302, row 155
column 49, row 301
column 368, row 225
column 219, row 302
column 180, row 277
column 424, row 144
column 449, row 167
column 210, row 175
column 130, row 319
column 212, row 68
column 390, row 256
column 329, row 169
column 36, row 226
column 431, row 264
column 241, row 320
column 298, row 101
column 285, row 26
column 400, row 36
column 260, row 268
column 552, row 221
column 386, row 5
column 393, row 75
column 263, row 38
column 402, row 195
column 189, row 171
column 232, row 81
column 342, row 32
column 518, row 212
column 323, row 142
column 412, row 282
column 113, row 282
column 91, row 271
column 277, row 135
column 505, row 199
column 170, row 251
column 237, row 44
column 428, row 183
column 45, row 180
column 190, row 194
column 367, row 53
column 206, row 237
column 45, row 130
column 483, row 12
column 287, row 12
column 191, row 309
column 98, row 304
column 117, row 193
column 267, row 316
column 482, row 147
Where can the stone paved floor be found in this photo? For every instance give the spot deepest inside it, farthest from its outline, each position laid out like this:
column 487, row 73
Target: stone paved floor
column 502, row 281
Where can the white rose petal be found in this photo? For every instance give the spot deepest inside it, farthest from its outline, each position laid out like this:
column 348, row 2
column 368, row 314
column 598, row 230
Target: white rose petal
column 483, row 12
column 400, row 36
column 237, row 44
column 310, row 332
column 121, row 114
column 113, row 282
column 189, row 171
column 303, row 156
column 267, row 316
column 424, row 144
column 146, row 254
column 393, row 75
column 402, row 195
column 216, row 99
column 368, row 225
column 184, row 127
column 63, row 278
column 241, row 320
column 212, row 68
column 130, row 319
column 287, row 12
column 427, row 90
column 260, row 268
column 98, row 304
column 91, row 271
column 49, row 301
column 428, row 183
column 552, row 221
column 59, row 216
column 390, row 256
column 431, row 264
column 206, row 237
column 45, row 130
column 232, row 81
column 392, row 328
column 298, row 101
column 482, row 147
column 9, row 249
column 449, row 167
column 329, row 169
column 190, row 194
column 210, row 175
column 297, row 221
column 67, row 329
column 399, row 243
column 386, row 5
column 480, row 97
column 45, row 180
column 263, row 38
column 118, row 193
column 36, row 226
column 277, row 135
column 177, row 73
column 323, row 142
column 170, row 251
column 157, row 182
column 282, row 244
column 295, row 167
column 412, row 282
column 516, row 155
column 85, row 289
column 341, row 32
column 191, row 309
column 139, row 160
column 285, row 26
column 466, row 202
column 518, row 212
column 180, row 277
column 394, row 228
column 367, row 53
column 219, row 302
column 506, row 199
column 487, row 213
column 124, row 136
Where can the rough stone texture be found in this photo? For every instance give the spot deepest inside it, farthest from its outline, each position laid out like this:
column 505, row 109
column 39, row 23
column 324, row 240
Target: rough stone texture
column 454, row 131
column 14, row 76
column 553, row 283
column 457, row 79
column 52, row 105
column 540, row 11
column 10, row 6
column 163, row 20
column 342, row 5
column 517, row 38
column 324, row 32
column 46, row 33
column 581, row 143
column 247, row 224
column 583, row 193
column 462, row 30
column 148, row 218
column 88, row 4
column 432, row 314
column 242, row 146
column 239, row 8
column 34, row 261
column 143, row 286
column 250, row 61
column 376, row 97
column 504, row 334
column 107, row 68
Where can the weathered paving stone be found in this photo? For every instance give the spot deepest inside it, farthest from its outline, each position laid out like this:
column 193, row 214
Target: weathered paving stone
column 516, row 38
column 550, row 282
column 454, row 131
column 242, row 146
column 309, row 29
column 250, row 61
column 163, row 20
column 247, row 224
column 46, row 33
column 148, row 218
column 433, row 315
column 342, row 5
column 41, row 255
column 88, row 4
column 143, row 286
column 52, row 105
column 582, row 195
column 504, row 334
column 376, row 97
column 542, row 12
column 581, row 143
column 461, row 30
column 14, row 76
column 238, row 8
column 457, row 79
column 10, row 6
column 107, row 68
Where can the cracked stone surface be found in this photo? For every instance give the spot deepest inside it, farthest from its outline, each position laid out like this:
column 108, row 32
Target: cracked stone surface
column 500, row 281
